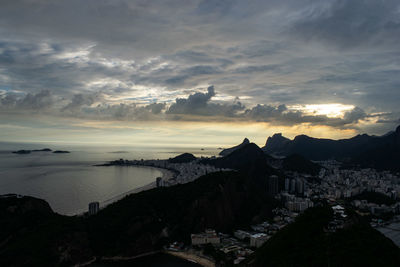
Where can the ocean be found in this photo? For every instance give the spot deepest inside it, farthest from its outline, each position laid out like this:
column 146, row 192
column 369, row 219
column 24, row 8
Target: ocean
column 69, row 182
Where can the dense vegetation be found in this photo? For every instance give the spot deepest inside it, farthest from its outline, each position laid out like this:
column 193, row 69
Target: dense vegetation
column 305, row 243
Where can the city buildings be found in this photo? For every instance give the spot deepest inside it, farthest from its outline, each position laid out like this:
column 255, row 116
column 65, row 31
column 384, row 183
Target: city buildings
column 208, row 237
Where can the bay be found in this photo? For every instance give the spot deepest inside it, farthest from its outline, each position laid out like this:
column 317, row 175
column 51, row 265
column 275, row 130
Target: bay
column 70, row 181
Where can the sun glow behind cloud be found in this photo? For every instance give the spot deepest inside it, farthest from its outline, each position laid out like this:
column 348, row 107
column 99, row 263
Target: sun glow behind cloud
column 153, row 134
column 334, row 110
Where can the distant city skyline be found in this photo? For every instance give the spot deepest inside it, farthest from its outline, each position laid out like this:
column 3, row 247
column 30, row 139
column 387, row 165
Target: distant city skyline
column 207, row 72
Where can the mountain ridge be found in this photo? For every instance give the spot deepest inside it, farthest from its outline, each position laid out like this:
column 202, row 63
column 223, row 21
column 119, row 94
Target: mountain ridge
column 363, row 149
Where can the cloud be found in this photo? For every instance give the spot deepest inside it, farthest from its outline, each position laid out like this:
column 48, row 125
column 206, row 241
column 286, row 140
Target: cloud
column 156, row 108
column 40, row 101
column 350, row 23
column 199, row 104
column 119, row 59
column 251, row 69
column 194, row 102
column 80, row 100
column 128, row 112
column 281, row 115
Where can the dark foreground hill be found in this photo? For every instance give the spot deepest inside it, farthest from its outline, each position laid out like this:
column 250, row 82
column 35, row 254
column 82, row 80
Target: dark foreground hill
column 32, row 235
column 137, row 224
column 305, row 243
column 380, row 152
column 141, row 222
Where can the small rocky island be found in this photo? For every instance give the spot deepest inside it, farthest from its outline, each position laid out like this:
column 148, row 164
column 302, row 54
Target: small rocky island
column 26, row 151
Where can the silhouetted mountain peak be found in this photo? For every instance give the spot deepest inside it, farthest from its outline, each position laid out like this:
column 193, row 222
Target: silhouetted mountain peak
column 381, row 152
column 248, row 157
column 302, row 137
column 183, row 158
column 275, row 143
column 227, row 151
column 249, row 148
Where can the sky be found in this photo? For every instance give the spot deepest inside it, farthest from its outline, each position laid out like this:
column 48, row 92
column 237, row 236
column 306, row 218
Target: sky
column 207, row 72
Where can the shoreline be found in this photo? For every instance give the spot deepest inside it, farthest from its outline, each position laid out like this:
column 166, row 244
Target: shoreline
column 166, row 174
column 192, row 258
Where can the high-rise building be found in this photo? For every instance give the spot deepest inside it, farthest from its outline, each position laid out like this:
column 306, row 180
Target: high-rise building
column 292, row 185
column 287, row 184
column 159, row 182
column 273, row 185
column 94, row 208
column 300, row 186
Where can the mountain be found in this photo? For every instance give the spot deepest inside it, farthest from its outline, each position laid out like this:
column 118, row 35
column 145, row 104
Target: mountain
column 146, row 221
column 297, row 163
column 384, row 155
column 183, row 158
column 227, row 151
column 251, row 162
column 275, row 143
column 32, row 235
column 248, row 159
column 305, row 243
column 241, row 158
column 380, row 152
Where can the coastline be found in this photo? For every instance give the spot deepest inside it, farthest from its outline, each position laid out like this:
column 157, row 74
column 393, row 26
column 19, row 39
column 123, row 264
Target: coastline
column 166, row 175
column 192, row 257
column 152, row 258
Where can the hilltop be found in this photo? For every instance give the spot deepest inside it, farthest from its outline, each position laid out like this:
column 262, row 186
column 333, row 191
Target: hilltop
column 380, row 152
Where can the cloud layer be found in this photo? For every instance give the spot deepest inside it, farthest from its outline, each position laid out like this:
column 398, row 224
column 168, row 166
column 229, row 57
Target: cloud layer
column 154, row 60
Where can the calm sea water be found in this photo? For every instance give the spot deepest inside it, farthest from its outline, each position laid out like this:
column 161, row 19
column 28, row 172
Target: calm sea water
column 70, row 181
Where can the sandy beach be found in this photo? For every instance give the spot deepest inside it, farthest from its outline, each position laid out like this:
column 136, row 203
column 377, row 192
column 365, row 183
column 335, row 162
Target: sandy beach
column 166, row 175
column 192, row 257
